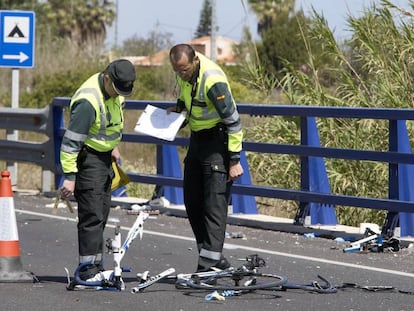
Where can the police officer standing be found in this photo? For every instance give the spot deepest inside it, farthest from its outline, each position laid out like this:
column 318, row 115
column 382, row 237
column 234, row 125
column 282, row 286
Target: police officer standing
column 89, row 143
column 212, row 162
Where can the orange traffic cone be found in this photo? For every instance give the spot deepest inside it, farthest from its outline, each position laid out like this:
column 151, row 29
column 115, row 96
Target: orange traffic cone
column 11, row 269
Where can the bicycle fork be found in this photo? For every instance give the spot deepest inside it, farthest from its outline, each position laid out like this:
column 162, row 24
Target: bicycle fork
column 118, row 253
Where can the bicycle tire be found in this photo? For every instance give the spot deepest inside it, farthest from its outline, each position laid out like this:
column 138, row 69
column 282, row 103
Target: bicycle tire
column 322, row 288
column 230, row 281
column 310, row 288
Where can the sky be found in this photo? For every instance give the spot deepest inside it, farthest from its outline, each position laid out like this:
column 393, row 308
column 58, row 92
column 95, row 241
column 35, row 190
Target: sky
column 181, row 17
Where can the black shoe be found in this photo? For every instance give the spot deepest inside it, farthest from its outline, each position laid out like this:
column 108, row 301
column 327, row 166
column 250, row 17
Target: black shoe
column 89, row 271
column 223, row 264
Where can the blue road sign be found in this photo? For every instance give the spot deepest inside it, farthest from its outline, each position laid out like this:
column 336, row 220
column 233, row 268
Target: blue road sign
column 17, row 36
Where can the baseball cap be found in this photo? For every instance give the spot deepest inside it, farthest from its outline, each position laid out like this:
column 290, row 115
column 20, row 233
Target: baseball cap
column 122, row 74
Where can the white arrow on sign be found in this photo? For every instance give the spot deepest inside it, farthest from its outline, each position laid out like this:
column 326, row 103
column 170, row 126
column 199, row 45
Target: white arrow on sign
column 21, row 57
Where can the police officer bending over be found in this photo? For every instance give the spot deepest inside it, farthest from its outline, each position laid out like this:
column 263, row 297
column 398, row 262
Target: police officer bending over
column 89, row 143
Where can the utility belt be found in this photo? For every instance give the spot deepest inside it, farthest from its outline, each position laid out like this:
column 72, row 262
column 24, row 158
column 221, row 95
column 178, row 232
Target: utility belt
column 210, row 133
column 95, row 152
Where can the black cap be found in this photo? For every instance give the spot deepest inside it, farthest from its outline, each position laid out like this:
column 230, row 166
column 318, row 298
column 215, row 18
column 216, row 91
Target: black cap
column 122, row 74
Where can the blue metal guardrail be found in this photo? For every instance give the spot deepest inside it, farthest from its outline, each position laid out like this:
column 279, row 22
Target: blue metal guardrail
column 314, row 197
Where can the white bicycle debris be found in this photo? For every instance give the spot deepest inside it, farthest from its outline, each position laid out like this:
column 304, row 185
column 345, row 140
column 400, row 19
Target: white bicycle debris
column 112, row 279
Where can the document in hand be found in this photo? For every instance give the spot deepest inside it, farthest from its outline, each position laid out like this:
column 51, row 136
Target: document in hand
column 157, row 123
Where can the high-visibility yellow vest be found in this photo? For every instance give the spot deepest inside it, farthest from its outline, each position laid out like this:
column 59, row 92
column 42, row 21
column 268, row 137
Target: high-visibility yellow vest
column 203, row 113
column 106, row 131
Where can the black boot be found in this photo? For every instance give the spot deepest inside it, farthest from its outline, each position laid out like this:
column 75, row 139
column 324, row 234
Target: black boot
column 89, row 271
column 222, row 264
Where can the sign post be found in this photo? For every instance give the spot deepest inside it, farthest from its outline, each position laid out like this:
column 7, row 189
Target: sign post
column 17, row 41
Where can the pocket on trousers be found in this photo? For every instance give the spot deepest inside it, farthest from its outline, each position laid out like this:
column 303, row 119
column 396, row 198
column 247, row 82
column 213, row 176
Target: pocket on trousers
column 218, row 168
column 218, row 177
column 85, row 185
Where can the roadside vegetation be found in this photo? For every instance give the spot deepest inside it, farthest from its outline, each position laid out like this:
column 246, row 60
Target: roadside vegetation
column 298, row 61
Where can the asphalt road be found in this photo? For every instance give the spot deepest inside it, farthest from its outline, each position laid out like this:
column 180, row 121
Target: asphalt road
column 48, row 244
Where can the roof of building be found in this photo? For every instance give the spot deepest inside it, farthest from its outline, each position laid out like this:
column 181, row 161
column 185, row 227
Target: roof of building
column 224, row 52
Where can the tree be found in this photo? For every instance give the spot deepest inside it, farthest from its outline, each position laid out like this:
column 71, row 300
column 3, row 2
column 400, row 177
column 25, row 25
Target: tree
column 282, row 41
column 156, row 41
column 16, row 4
column 204, row 26
column 80, row 21
column 283, row 32
column 268, row 11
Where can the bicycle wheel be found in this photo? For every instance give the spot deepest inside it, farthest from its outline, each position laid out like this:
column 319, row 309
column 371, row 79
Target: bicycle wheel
column 323, row 288
column 237, row 280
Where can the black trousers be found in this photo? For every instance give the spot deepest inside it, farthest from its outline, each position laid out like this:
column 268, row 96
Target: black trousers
column 93, row 195
column 207, row 192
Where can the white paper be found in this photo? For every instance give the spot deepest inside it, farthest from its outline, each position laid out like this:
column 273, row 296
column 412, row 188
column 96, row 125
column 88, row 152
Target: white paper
column 157, row 123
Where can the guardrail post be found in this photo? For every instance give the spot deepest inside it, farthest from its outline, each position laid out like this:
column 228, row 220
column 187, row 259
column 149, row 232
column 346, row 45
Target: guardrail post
column 405, row 181
column 401, row 179
column 244, row 204
column 315, row 179
column 170, row 167
column 58, row 129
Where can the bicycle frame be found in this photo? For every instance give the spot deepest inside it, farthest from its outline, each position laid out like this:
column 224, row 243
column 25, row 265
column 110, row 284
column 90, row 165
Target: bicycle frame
column 208, row 280
column 115, row 244
column 250, row 270
column 118, row 250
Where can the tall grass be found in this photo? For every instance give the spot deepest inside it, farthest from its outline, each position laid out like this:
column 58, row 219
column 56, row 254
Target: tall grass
column 372, row 69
